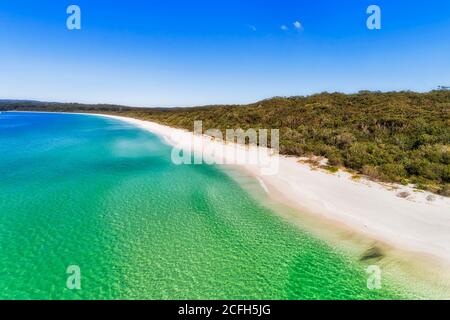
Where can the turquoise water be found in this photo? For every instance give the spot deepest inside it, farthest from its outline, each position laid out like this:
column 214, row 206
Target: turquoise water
column 103, row 195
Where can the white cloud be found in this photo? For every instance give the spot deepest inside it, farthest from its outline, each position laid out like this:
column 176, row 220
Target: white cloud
column 284, row 27
column 252, row 27
column 298, row 25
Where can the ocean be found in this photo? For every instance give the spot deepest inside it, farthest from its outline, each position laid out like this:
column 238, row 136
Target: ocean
column 104, row 196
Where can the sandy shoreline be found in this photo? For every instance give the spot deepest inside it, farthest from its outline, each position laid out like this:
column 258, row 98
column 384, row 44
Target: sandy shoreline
column 414, row 224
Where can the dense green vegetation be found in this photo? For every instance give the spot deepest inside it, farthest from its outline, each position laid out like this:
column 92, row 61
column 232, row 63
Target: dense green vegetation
column 399, row 137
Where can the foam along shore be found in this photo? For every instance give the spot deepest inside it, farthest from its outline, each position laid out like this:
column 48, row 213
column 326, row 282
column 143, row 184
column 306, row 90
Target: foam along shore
column 419, row 222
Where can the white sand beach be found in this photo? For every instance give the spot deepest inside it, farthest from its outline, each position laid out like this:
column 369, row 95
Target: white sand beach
column 418, row 223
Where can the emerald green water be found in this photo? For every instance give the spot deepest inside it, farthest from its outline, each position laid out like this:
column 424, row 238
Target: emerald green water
column 103, row 195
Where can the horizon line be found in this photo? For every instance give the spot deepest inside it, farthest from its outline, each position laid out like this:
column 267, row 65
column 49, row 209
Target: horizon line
column 31, row 100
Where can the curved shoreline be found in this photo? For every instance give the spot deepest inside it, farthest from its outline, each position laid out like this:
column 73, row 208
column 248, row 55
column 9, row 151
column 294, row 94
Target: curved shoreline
column 413, row 224
column 292, row 195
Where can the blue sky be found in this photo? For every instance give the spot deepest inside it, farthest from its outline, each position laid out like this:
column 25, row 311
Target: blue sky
column 192, row 52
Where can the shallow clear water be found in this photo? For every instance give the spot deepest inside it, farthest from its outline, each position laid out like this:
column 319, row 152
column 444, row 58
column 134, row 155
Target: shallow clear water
column 103, row 195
